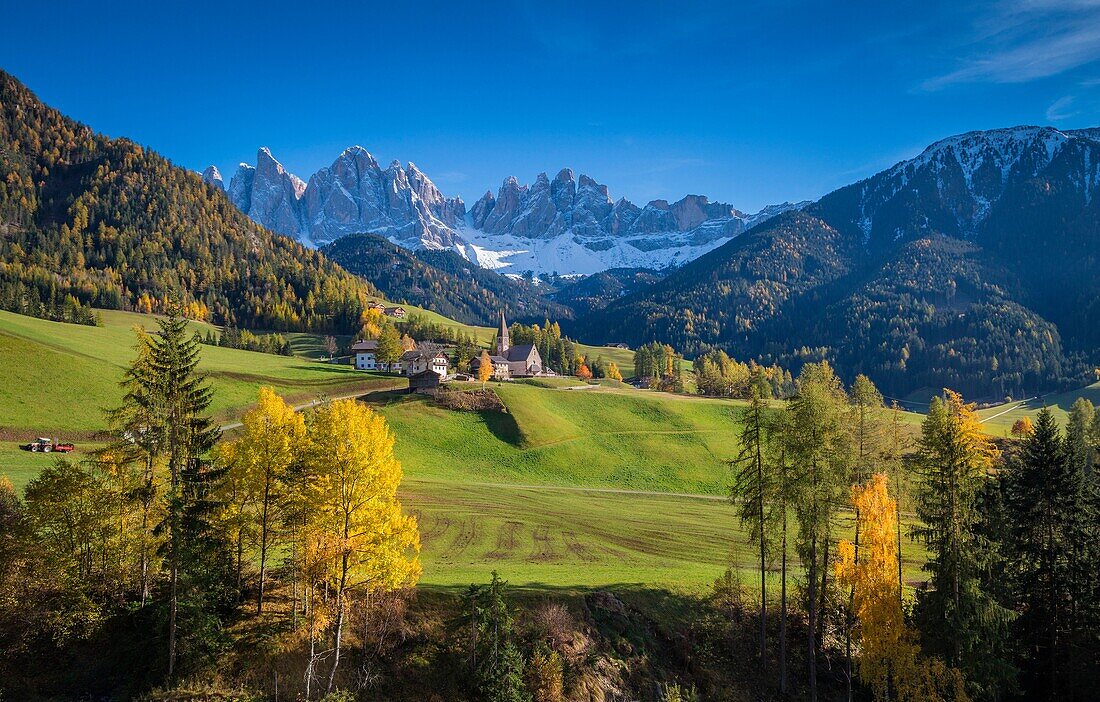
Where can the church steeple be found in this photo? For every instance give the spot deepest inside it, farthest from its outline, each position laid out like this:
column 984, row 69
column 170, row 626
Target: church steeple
column 502, row 337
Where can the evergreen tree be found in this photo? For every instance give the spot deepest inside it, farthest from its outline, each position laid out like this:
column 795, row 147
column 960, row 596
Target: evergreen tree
column 818, row 445
column 164, row 413
column 754, row 491
column 1080, row 444
column 959, row 620
column 498, row 672
column 1047, row 546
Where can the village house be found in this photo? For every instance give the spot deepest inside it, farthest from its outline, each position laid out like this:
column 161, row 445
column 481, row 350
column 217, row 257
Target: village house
column 425, row 358
column 366, row 354
column 522, row 361
column 395, row 312
column 366, row 358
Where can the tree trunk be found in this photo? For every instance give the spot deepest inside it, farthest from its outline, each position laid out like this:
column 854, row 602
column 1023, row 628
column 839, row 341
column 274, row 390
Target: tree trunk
column 783, row 611
column 897, row 518
column 763, row 580
column 240, row 559
column 339, row 620
column 146, row 505
column 812, row 613
column 263, row 546
column 824, row 595
column 848, row 621
column 312, row 641
column 173, row 538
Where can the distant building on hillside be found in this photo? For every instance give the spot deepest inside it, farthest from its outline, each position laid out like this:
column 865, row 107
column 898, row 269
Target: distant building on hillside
column 523, row 361
column 425, row 358
column 366, row 354
column 366, row 358
column 395, row 312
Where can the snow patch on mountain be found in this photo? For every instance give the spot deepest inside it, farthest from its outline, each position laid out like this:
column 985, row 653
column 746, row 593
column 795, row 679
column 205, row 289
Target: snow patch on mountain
column 565, row 225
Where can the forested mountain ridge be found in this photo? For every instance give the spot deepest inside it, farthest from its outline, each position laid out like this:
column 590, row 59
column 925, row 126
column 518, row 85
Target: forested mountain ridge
column 106, row 222
column 441, row 280
column 975, row 265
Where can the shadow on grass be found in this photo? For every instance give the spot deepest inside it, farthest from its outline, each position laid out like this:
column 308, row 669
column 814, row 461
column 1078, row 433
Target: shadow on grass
column 504, row 427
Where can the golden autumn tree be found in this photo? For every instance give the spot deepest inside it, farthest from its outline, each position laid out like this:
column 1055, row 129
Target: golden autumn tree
column 351, row 492
column 371, row 323
column 484, row 367
column 890, row 663
column 1023, row 427
column 584, row 373
column 272, row 436
column 873, row 580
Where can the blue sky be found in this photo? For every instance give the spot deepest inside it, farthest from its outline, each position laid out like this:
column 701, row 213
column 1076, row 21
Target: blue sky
column 747, row 103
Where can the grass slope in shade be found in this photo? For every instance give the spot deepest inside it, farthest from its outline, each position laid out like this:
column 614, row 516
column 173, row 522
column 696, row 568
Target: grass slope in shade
column 59, row 377
column 593, row 438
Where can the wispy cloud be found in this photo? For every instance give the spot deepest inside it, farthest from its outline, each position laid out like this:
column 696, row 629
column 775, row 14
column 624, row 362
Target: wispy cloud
column 1062, row 108
column 1024, row 40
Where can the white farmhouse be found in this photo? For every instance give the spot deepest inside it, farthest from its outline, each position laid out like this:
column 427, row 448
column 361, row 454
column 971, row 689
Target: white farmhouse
column 424, row 359
column 366, row 354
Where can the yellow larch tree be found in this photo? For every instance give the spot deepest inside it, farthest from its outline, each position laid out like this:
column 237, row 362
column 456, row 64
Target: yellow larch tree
column 272, row 437
column 890, row 662
column 484, row 367
column 351, row 488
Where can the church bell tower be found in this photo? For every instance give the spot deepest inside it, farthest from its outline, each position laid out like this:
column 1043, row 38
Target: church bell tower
column 502, row 337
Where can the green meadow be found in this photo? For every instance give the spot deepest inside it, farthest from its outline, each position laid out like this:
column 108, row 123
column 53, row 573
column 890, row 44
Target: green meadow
column 567, row 488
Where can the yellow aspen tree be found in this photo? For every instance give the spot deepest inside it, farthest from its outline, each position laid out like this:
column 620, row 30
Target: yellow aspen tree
column 872, row 575
column 272, row 436
column 352, row 492
column 484, row 367
column 890, row 661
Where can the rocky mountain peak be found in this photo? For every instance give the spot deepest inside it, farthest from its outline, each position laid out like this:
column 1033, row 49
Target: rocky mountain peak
column 212, row 176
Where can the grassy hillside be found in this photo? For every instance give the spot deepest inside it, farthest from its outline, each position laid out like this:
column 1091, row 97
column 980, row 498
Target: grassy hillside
column 999, row 422
column 59, row 377
column 552, row 538
column 593, row 438
column 567, row 489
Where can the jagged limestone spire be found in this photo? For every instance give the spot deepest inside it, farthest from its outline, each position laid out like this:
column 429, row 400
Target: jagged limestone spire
column 502, row 337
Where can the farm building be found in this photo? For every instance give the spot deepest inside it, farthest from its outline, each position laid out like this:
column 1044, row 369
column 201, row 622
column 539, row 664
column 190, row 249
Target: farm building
column 425, row 358
column 424, row 382
column 366, row 358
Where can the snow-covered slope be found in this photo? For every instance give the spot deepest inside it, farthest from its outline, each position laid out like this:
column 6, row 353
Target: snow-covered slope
column 564, row 225
column 955, row 184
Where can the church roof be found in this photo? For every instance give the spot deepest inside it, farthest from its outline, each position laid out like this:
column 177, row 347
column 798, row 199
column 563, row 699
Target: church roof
column 521, row 352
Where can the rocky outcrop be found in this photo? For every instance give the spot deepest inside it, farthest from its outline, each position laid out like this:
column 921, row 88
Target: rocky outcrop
column 212, row 176
column 564, row 225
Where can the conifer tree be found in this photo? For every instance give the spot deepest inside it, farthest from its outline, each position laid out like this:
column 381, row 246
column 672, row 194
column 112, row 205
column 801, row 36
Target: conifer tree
column 1080, row 444
column 164, row 416
column 868, row 439
column 754, row 492
column 818, row 445
column 498, row 675
column 959, row 620
column 1047, row 546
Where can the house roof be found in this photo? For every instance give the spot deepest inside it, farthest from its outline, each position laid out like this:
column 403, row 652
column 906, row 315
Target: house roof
column 367, row 345
column 419, row 353
column 521, row 353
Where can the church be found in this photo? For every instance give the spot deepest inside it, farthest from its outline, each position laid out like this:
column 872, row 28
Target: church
column 523, row 361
